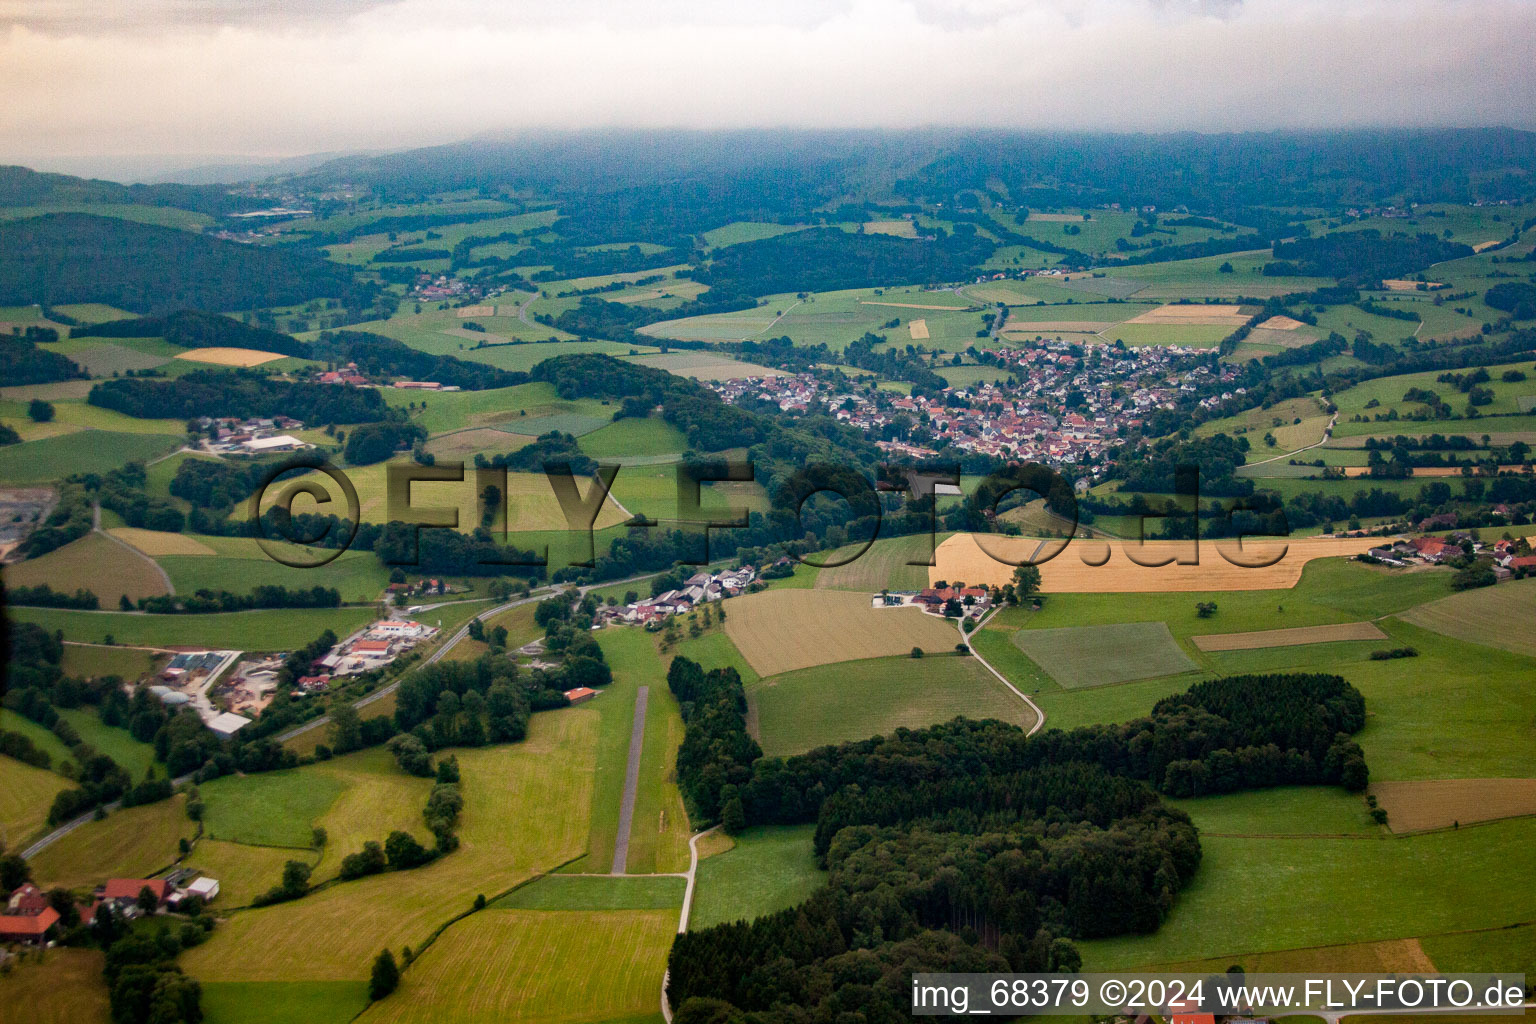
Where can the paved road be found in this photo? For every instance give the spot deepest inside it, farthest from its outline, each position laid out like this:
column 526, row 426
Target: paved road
column 631, row 784
column 1327, row 436
column 682, row 920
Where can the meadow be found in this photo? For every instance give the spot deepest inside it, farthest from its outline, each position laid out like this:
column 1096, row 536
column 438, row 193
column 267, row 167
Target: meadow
column 64, row 987
column 244, row 871
column 82, row 451
column 26, row 793
column 280, row 629
column 1495, row 616
column 1080, row 656
column 852, row 700
column 767, row 868
column 132, row 843
column 595, row 892
column 569, row 966
column 96, row 563
column 783, row 630
column 885, row 565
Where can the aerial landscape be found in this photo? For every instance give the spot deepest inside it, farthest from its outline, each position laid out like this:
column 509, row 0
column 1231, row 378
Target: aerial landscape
column 640, row 551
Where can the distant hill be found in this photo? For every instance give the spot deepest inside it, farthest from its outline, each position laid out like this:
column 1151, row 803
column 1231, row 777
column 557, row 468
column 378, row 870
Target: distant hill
column 74, row 257
column 192, row 329
column 21, row 186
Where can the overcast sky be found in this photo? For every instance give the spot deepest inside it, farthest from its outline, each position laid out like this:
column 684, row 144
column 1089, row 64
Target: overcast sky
column 196, row 79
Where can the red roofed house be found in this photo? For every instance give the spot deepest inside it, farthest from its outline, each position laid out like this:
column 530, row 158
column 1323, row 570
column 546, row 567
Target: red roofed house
column 1433, row 548
column 1523, row 562
column 128, row 889
column 580, row 695
column 27, row 901
column 28, row 927
column 1188, row 1013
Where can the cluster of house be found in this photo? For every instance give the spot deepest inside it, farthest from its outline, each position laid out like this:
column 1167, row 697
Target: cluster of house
column 700, row 588
column 349, row 375
column 421, row 586
column 29, row 917
column 434, row 287
column 187, row 681
column 1050, row 402
column 372, row 647
column 1507, row 561
column 955, row 601
column 257, row 436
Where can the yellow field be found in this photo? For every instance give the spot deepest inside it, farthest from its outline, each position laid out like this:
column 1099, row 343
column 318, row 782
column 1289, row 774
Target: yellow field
column 1440, row 803
column 537, row 967
column 526, row 810
column 244, row 872
column 1393, row 955
column 26, row 793
column 155, row 543
column 1294, row 637
column 94, row 562
column 228, row 356
column 378, row 799
column 1400, row 285
column 960, row 558
column 1213, row 316
column 130, row 844
column 465, row 312
column 918, row 329
column 64, row 987
column 783, row 630
column 898, row 228
column 466, row 444
column 1279, row 323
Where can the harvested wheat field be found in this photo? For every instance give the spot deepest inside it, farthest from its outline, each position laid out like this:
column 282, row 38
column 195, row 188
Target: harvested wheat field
column 1213, row 316
column 155, row 543
column 1441, row 803
column 1070, row 572
column 1282, row 338
column 228, row 356
column 1280, row 323
column 1398, row 285
column 465, row 312
column 1294, row 637
column 909, row 305
column 1480, row 246
column 918, row 329
column 784, row 630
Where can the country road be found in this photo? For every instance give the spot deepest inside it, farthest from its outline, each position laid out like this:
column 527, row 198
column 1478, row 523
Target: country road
column 170, row 588
column 1327, row 436
column 966, row 639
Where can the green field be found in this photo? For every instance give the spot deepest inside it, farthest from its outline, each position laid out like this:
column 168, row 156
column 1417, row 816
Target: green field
column 590, row 892
column 279, row 629
column 115, row 743
column 851, row 700
column 634, row 437
column 244, row 872
column 240, row 565
column 96, row 563
column 770, row 868
column 1497, row 616
column 883, row 567
column 26, row 793
column 134, row 843
column 1082, row 656
column 1247, row 896
column 283, row 1002
column 269, row 809
column 83, row 451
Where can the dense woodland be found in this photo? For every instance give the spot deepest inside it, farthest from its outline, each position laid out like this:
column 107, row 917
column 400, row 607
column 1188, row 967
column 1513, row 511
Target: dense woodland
column 74, row 257
column 192, row 329
column 971, row 846
column 240, row 393
column 24, row 362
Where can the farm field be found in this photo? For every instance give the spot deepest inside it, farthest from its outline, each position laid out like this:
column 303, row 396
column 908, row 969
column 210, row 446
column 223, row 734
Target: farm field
column 1289, row 435
column 239, row 564
column 1423, row 804
column 769, row 868
column 1288, row 637
column 505, row 408
column 83, row 451
column 574, row 966
column 278, row 1002
column 962, row 557
column 132, row 843
column 244, row 872
column 26, row 793
column 1244, row 900
column 652, row 490
column 631, row 438
column 783, row 630
column 263, row 630
column 94, row 562
column 851, row 700
column 591, row 892
column 882, row 567
column 1389, row 391
column 65, row 988
column 1083, row 656
column 1496, row 616
column 118, row 744
column 524, row 812
column 90, row 662
column 705, row 366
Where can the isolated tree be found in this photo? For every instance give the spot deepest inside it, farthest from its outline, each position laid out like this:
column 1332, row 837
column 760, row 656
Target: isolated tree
column 346, row 728
column 147, row 900
column 1026, row 582
column 385, row 978
column 917, row 652
column 40, row 411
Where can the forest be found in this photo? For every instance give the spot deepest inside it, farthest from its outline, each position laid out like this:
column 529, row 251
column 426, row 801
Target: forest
column 971, row 843
column 192, row 329
column 239, row 393
column 61, row 258
column 23, row 362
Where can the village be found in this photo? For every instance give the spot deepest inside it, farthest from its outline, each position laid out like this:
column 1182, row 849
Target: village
column 1051, row 403
column 29, row 916
column 228, row 435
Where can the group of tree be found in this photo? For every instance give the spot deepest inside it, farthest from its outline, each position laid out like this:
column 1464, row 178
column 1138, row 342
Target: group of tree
column 22, row 362
column 190, row 328
column 241, row 393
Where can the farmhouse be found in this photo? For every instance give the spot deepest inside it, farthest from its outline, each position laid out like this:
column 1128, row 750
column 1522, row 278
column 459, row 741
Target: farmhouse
column 580, row 695
column 275, row 443
column 28, row 929
column 1433, row 549
column 122, row 894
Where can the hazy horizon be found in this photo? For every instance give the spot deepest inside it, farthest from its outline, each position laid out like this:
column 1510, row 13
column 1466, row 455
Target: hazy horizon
column 166, row 84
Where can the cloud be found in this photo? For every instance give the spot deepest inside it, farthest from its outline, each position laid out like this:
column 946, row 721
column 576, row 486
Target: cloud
column 188, row 77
